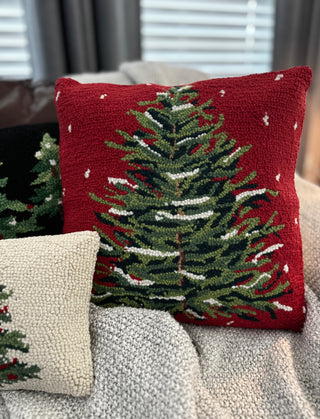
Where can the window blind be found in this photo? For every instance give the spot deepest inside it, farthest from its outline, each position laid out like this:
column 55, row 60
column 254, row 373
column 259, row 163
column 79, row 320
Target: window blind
column 15, row 61
column 219, row 37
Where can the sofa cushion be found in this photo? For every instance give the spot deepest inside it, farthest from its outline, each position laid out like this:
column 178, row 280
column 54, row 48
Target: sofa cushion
column 30, row 185
column 26, row 102
column 45, row 289
column 157, row 72
column 191, row 189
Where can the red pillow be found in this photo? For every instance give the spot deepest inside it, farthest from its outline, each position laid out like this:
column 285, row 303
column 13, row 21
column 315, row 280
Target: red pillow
column 191, row 189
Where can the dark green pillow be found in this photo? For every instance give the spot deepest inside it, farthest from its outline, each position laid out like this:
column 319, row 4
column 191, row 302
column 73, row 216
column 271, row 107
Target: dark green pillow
column 30, row 185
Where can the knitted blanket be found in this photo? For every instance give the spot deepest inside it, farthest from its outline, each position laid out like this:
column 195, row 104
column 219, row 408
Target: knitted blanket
column 149, row 366
column 145, row 366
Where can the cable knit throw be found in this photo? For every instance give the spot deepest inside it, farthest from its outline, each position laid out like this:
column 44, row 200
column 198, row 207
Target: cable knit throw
column 146, row 366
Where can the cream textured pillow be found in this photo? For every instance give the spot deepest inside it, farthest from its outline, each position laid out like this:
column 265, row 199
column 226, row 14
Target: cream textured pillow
column 45, row 287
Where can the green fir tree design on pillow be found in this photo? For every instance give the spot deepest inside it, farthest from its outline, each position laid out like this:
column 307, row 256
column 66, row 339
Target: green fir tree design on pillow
column 47, row 198
column 11, row 369
column 183, row 238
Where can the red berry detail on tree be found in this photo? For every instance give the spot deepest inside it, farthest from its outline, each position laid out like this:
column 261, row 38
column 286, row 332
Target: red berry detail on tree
column 12, row 370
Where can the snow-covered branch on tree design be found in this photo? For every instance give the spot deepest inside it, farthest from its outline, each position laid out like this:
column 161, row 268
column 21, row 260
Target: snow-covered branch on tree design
column 19, row 218
column 47, row 198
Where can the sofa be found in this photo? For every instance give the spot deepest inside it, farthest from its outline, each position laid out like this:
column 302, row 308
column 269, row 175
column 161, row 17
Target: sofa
column 147, row 365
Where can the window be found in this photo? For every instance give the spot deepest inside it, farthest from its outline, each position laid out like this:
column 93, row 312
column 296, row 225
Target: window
column 219, row 37
column 15, row 60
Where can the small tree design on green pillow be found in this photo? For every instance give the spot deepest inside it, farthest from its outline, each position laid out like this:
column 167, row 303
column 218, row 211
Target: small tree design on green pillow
column 9, row 209
column 47, row 193
column 183, row 239
column 11, row 369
